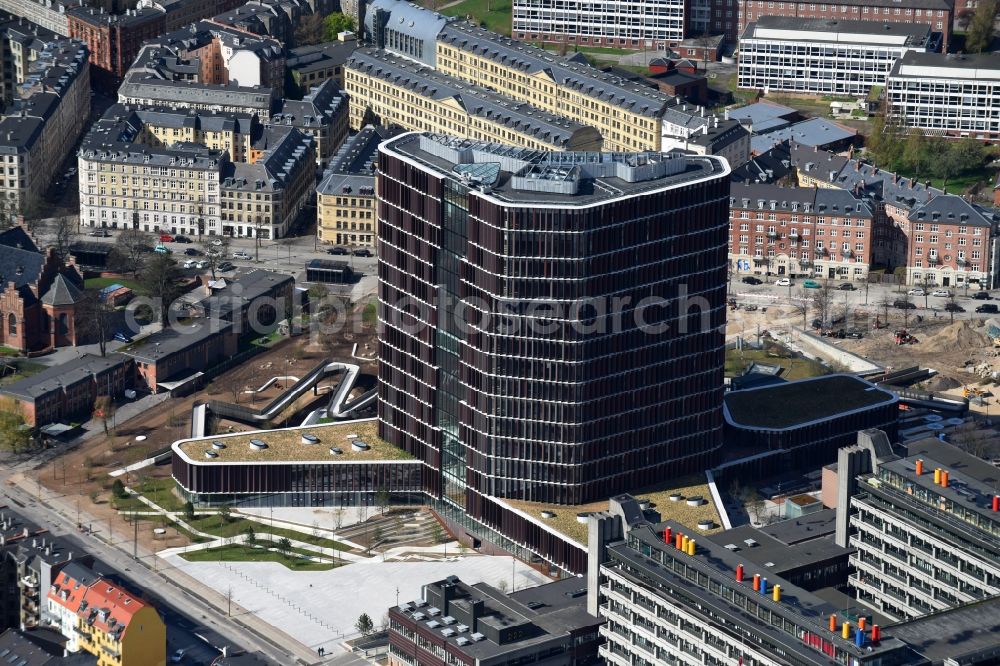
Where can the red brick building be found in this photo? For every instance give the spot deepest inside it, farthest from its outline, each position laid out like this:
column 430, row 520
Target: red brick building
column 950, row 243
column 938, row 13
column 176, row 355
column 799, row 231
column 68, row 391
column 114, row 39
column 39, row 295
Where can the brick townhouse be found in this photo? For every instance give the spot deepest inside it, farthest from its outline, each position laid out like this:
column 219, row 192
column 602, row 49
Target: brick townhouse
column 799, row 232
column 905, row 211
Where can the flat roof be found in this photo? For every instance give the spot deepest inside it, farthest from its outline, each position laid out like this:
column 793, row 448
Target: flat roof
column 771, row 554
column 565, row 522
column 523, row 176
column 286, row 445
column 811, row 526
column 841, row 31
column 794, row 404
column 717, row 562
column 962, row 635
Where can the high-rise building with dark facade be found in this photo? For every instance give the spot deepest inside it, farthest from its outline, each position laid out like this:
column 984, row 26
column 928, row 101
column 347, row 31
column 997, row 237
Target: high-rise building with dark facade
column 550, row 323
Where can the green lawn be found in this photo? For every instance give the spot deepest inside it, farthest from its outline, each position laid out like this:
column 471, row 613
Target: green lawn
column 795, row 368
column 211, row 524
column 160, row 491
column 495, row 15
column 594, row 50
column 102, row 282
column 238, row 553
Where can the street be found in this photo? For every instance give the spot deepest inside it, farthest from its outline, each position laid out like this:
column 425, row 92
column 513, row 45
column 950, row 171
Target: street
column 870, row 299
column 191, row 622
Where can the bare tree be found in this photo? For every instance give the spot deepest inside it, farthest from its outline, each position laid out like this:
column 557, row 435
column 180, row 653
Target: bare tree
column 885, row 304
column 927, row 283
column 216, row 254
column 130, row 250
column 800, row 305
column 951, row 306
column 906, row 301
column 96, row 317
column 822, row 302
column 160, row 276
column 64, row 230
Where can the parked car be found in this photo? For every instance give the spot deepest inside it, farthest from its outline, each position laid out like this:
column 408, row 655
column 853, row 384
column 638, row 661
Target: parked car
column 941, row 293
column 338, row 250
column 178, row 656
column 982, row 296
column 904, row 305
column 201, row 264
column 225, row 266
column 847, row 286
column 100, row 233
column 811, row 284
column 953, row 307
column 783, row 282
column 217, row 242
column 191, row 252
column 916, row 292
column 122, row 336
column 749, row 279
column 181, row 239
column 855, row 333
column 363, row 252
column 190, row 263
column 988, row 308
column 162, row 249
column 166, row 238
column 242, row 254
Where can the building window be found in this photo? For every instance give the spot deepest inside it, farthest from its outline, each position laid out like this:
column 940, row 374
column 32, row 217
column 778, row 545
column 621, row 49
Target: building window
column 12, row 324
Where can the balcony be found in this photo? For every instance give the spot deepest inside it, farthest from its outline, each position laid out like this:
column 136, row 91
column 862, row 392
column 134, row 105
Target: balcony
column 773, row 234
column 794, row 236
column 962, row 261
column 846, row 253
column 933, row 259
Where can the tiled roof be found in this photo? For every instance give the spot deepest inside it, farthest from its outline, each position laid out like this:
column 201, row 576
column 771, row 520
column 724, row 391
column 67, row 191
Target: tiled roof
column 109, row 608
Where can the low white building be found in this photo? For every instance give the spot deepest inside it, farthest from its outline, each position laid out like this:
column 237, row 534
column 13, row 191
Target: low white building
column 779, row 53
column 949, row 94
column 655, row 24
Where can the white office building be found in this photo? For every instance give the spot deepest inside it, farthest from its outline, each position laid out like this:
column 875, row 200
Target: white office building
column 949, row 94
column 779, row 53
column 651, row 24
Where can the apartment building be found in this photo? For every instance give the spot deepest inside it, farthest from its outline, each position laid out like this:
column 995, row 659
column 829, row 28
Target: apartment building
column 262, row 199
column 949, row 94
column 49, row 102
column 345, row 198
column 48, row 14
column 207, row 67
column 179, row 13
column 478, row 624
column 111, row 623
column 800, row 232
column 894, row 200
column 389, row 90
column 274, row 18
column 168, row 128
column 938, row 14
column 925, row 528
column 657, row 25
column 114, row 40
column 628, row 116
column 950, row 238
column 628, row 212
column 824, row 56
column 322, row 114
column 312, row 65
column 139, row 169
column 669, row 595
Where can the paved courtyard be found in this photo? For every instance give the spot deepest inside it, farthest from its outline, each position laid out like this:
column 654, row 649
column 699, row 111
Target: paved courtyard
column 319, row 609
